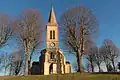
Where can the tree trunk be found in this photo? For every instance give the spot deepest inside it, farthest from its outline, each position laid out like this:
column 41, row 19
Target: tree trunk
column 113, row 65
column 107, row 67
column 29, row 63
column 92, row 67
column 27, row 50
column 99, row 67
column 81, row 46
column 79, row 62
column 106, row 64
column 26, row 65
column 10, row 70
column 80, row 52
column 81, row 67
column 91, row 63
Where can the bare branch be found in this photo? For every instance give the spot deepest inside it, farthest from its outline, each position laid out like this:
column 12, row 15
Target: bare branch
column 5, row 29
column 110, row 52
column 78, row 23
column 29, row 29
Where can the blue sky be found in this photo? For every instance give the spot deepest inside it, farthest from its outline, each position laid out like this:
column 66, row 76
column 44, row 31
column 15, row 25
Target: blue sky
column 106, row 11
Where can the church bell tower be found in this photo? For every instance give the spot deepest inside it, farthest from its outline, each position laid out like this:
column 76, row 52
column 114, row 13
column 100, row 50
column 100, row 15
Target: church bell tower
column 52, row 59
column 52, row 32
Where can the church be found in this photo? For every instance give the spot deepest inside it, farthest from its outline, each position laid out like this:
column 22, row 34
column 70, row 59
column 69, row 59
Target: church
column 52, row 59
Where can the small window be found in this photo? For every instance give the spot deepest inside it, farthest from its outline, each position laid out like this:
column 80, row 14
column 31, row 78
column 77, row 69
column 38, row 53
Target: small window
column 52, row 55
column 50, row 34
column 53, row 34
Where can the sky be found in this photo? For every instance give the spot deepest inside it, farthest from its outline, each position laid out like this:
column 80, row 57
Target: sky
column 106, row 11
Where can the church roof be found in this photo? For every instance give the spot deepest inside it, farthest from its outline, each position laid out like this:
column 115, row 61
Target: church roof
column 52, row 18
column 67, row 62
column 44, row 51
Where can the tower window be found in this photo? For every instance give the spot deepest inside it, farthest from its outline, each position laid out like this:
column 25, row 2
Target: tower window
column 52, row 55
column 50, row 34
column 53, row 34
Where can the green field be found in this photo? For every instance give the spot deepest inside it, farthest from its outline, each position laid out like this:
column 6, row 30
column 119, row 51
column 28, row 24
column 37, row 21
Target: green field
column 73, row 76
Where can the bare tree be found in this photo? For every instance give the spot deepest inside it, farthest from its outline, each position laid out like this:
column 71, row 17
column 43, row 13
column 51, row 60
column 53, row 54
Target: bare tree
column 5, row 34
column 98, row 58
column 75, row 67
column 88, row 67
column 4, row 61
column 110, row 52
column 5, row 29
column 28, row 27
column 90, row 52
column 93, row 54
column 16, row 62
column 78, row 23
column 103, row 52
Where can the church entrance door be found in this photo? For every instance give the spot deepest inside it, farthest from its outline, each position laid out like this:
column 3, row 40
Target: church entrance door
column 51, row 68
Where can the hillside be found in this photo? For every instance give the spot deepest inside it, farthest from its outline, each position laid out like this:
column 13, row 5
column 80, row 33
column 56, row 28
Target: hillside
column 73, row 76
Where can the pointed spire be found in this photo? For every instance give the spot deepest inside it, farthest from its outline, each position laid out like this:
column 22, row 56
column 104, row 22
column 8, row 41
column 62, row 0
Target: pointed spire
column 52, row 18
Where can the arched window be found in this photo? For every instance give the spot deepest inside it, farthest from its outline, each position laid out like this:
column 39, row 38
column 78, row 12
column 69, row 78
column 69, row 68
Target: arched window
column 50, row 34
column 53, row 34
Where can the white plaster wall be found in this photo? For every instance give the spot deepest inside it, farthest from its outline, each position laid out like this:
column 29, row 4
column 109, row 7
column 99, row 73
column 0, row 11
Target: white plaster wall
column 46, row 57
column 54, row 68
column 67, row 68
column 46, row 68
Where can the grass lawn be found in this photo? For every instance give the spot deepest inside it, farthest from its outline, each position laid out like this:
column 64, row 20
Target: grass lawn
column 73, row 76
